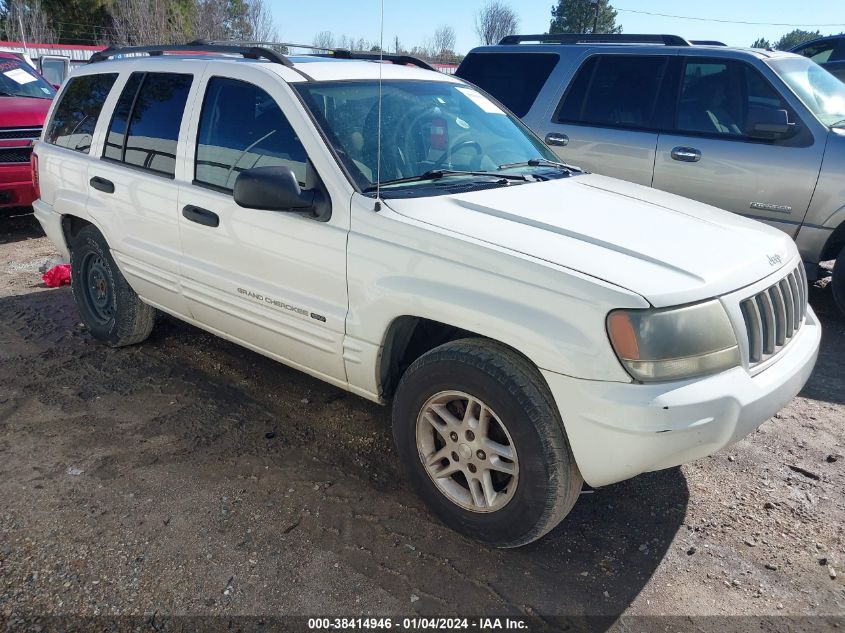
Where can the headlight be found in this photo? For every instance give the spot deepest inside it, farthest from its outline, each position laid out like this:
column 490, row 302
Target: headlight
column 674, row 343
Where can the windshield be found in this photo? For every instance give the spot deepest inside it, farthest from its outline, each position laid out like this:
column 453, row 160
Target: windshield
column 820, row 91
column 19, row 79
column 426, row 126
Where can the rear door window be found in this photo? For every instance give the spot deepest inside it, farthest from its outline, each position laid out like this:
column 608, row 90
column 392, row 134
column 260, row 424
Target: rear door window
column 144, row 130
column 241, row 127
column 515, row 79
column 615, row 91
column 78, row 110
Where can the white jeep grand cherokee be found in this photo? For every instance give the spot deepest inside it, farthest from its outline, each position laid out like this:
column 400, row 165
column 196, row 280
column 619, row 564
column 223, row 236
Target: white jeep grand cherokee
column 534, row 326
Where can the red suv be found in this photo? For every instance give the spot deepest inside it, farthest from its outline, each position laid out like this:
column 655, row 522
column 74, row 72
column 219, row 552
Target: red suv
column 25, row 97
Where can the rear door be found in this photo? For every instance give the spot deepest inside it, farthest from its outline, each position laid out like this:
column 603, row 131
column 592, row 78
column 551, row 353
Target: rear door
column 711, row 155
column 608, row 118
column 132, row 189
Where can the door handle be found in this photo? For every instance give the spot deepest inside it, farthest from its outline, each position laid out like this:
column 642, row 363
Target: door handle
column 686, row 154
column 101, row 184
column 556, row 139
column 201, row 216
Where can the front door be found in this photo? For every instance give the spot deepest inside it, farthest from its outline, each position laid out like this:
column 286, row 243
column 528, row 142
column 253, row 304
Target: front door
column 712, row 156
column 272, row 281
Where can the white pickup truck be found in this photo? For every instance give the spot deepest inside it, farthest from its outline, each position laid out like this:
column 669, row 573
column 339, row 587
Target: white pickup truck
column 534, row 326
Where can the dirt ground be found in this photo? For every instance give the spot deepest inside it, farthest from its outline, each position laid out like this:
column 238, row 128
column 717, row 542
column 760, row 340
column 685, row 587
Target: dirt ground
column 188, row 476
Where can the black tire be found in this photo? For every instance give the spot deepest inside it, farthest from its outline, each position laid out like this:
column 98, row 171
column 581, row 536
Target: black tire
column 549, row 481
column 109, row 308
column 838, row 283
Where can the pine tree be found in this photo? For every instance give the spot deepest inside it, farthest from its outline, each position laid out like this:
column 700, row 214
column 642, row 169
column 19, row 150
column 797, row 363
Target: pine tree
column 577, row 16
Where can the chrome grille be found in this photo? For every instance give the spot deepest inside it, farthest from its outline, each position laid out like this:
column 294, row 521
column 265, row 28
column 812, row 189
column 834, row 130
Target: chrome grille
column 22, row 133
column 773, row 316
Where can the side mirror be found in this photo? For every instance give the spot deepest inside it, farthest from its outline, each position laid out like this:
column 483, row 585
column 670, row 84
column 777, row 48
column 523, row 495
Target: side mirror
column 768, row 123
column 277, row 189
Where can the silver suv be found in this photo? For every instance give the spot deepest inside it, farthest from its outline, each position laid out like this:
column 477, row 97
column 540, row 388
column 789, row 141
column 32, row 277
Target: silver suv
column 756, row 132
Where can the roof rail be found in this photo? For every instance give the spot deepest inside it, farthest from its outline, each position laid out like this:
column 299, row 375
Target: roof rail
column 595, row 38
column 405, row 60
column 707, row 43
column 345, row 53
column 198, row 46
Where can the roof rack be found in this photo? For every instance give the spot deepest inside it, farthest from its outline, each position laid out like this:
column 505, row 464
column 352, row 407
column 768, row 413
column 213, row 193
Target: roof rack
column 707, row 43
column 257, row 50
column 198, row 46
column 405, row 60
column 595, row 38
column 345, row 53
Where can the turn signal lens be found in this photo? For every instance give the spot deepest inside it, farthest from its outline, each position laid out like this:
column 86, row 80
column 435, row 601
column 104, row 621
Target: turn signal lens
column 623, row 336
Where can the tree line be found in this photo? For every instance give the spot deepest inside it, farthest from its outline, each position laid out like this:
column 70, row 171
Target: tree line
column 493, row 21
column 128, row 22
column 788, row 41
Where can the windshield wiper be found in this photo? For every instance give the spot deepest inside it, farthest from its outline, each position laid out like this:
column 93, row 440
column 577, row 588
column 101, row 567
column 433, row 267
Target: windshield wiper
column 3, row 93
column 437, row 174
column 538, row 162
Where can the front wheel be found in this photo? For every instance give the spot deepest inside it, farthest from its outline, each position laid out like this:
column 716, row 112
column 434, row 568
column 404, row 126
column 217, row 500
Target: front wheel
column 482, row 442
column 838, row 284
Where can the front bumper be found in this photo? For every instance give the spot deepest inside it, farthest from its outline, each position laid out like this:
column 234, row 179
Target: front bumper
column 619, row 430
column 16, row 188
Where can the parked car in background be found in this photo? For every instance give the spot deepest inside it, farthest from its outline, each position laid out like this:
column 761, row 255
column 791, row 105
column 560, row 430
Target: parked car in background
column 393, row 231
column 760, row 133
column 827, row 52
column 25, row 98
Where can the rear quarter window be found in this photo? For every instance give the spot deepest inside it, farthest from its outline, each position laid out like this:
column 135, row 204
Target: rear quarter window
column 78, row 110
column 515, row 79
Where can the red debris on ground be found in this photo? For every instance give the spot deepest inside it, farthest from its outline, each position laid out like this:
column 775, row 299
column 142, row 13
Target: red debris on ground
column 57, row 276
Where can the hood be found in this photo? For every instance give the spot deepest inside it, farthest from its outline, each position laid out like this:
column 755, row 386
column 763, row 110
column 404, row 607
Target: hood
column 23, row 111
column 666, row 248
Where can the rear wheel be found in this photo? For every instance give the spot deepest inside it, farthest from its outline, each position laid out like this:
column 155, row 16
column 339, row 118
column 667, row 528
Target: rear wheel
column 482, row 443
column 838, row 284
column 109, row 308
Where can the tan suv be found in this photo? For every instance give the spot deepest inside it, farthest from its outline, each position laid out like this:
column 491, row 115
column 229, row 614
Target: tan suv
column 756, row 132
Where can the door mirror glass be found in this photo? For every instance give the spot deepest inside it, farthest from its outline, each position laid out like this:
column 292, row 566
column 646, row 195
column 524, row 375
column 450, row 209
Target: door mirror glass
column 767, row 123
column 277, row 189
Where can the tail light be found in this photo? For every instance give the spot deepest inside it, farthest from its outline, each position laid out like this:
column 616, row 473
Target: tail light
column 33, row 164
column 439, row 134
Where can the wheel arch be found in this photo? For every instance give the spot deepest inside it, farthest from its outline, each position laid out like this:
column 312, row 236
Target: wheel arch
column 834, row 243
column 408, row 337
column 71, row 226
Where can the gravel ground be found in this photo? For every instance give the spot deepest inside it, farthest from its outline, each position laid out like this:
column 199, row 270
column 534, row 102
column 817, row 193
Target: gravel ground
column 187, row 476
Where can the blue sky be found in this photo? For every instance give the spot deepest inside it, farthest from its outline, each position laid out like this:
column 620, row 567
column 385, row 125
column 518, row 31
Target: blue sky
column 414, row 21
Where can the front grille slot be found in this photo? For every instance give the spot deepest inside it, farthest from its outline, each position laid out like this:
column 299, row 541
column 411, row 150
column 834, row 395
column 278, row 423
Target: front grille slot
column 15, row 154
column 774, row 316
column 19, row 133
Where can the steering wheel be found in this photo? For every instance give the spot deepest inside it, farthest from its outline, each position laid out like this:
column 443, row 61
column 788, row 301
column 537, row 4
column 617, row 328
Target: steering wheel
column 414, row 118
column 456, row 147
